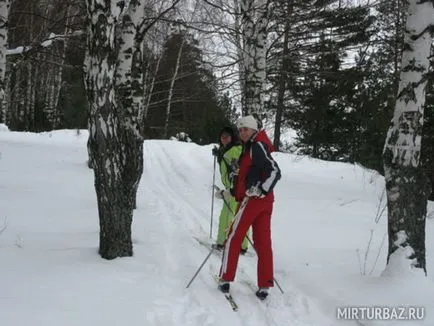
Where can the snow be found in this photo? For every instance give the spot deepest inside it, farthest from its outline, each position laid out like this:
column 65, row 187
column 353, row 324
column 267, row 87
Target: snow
column 17, row 50
column 49, row 40
column 325, row 214
column 398, row 263
column 3, row 127
column 45, row 43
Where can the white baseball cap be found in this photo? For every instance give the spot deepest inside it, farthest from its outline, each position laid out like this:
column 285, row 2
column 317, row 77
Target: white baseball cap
column 248, row 122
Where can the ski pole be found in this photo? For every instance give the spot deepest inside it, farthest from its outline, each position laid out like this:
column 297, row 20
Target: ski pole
column 200, row 267
column 251, row 243
column 212, row 198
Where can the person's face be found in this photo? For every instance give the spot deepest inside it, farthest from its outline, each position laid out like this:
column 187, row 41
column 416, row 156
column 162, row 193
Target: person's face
column 246, row 133
column 225, row 138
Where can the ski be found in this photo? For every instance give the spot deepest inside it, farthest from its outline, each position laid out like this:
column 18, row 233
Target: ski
column 208, row 246
column 228, row 297
column 254, row 289
column 231, row 300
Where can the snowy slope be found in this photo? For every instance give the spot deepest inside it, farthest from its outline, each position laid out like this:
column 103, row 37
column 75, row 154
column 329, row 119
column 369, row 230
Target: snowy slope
column 51, row 273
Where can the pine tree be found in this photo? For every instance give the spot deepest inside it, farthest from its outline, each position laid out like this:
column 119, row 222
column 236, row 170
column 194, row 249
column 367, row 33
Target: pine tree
column 321, row 90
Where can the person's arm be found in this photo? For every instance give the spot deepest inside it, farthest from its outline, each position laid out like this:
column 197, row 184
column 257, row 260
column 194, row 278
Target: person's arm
column 264, row 172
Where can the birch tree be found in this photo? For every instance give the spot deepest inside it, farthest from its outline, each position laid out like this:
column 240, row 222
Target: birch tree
column 175, row 73
column 406, row 185
column 115, row 34
column 54, row 77
column 153, row 42
column 148, row 87
column 4, row 15
column 254, row 24
column 237, row 38
column 242, row 27
column 171, row 87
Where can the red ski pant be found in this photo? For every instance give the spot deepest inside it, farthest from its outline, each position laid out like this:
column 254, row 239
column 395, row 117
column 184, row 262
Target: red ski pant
column 256, row 213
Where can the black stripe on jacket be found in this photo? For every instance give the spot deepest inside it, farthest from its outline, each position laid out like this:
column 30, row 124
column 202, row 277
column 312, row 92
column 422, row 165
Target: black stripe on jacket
column 264, row 171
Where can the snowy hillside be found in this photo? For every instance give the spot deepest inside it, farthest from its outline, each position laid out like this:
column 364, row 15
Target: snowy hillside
column 51, row 274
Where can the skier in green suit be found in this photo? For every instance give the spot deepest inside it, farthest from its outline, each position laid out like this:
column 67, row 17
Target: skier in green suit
column 227, row 156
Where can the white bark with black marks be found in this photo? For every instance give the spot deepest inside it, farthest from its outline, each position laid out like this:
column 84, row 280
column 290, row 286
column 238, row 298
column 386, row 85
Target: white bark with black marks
column 171, row 87
column 254, row 24
column 406, row 185
column 129, row 78
column 56, row 75
column 150, row 89
column 239, row 46
column 114, row 86
column 30, row 95
column 4, row 17
column 107, row 143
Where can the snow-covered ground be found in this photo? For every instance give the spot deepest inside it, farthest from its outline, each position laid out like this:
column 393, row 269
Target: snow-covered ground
column 51, row 273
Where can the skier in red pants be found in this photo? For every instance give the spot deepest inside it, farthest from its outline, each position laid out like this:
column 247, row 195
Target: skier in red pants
column 257, row 176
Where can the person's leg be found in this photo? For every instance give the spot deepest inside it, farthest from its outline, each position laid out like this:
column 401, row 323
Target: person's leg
column 263, row 245
column 225, row 219
column 243, row 220
column 245, row 244
column 234, row 205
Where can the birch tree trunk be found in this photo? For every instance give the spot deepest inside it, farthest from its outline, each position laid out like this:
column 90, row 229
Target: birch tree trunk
column 58, row 87
column 146, row 86
column 175, row 73
column 50, row 90
column 108, row 141
column 172, row 85
column 240, row 52
column 18, row 114
column 129, row 79
column 30, row 97
column 55, row 86
column 151, row 89
column 254, row 26
column 406, row 185
column 114, row 86
column 4, row 16
column 50, row 107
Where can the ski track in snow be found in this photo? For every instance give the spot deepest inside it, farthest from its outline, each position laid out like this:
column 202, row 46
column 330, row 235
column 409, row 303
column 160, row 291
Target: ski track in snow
column 172, row 183
column 53, row 274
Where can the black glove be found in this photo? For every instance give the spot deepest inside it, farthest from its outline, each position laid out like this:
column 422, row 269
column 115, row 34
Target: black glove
column 215, row 151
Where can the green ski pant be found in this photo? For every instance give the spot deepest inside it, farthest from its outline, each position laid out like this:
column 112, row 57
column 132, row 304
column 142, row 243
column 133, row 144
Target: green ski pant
column 225, row 220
